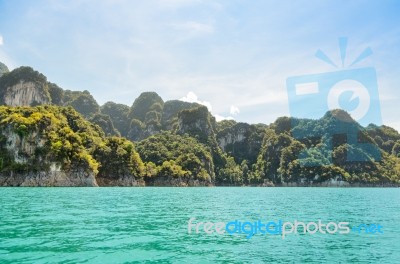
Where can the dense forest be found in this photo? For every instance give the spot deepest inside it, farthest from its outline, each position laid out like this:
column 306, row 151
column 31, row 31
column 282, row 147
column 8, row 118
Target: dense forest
column 176, row 143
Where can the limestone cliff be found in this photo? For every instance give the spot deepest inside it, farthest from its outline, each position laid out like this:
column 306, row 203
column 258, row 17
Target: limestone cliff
column 50, row 178
column 198, row 123
column 24, row 87
column 55, row 146
column 123, row 181
column 29, row 168
column 171, row 111
column 25, row 94
column 121, row 165
column 241, row 141
column 148, row 116
column 178, row 182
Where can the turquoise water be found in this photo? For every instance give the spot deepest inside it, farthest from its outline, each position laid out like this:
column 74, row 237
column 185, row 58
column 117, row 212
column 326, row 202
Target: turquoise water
column 139, row 225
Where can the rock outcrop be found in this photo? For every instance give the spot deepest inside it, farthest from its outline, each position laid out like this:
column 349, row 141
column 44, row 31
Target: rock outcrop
column 55, row 146
column 26, row 167
column 241, row 141
column 52, row 178
column 171, row 111
column 178, row 182
column 121, row 181
column 198, row 123
column 24, row 87
column 25, row 94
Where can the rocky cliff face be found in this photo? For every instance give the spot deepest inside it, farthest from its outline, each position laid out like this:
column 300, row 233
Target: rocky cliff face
column 23, row 152
column 178, row 182
column 24, row 87
column 25, row 94
column 171, row 110
column 51, row 178
column 55, row 146
column 22, row 149
column 122, row 181
column 196, row 122
column 241, row 141
column 233, row 136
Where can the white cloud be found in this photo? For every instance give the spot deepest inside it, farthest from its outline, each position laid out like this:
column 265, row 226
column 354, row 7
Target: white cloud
column 191, row 97
column 220, row 117
column 1, row 40
column 234, row 110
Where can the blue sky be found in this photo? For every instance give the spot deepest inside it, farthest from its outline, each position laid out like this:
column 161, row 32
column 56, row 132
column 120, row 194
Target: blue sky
column 233, row 56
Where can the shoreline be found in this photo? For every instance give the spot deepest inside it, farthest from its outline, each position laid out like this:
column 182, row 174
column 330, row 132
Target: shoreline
column 217, row 186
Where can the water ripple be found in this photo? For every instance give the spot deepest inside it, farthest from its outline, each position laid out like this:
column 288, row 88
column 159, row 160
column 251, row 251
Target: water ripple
column 141, row 225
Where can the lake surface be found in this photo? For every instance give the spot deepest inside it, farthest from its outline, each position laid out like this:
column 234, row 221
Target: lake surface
column 150, row 225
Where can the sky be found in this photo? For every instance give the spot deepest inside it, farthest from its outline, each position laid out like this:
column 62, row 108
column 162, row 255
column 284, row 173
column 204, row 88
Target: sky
column 234, row 56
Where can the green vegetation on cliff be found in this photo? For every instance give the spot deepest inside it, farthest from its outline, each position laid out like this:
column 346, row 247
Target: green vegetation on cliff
column 47, row 133
column 24, row 75
column 190, row 157
column 119, row 116
column 83, row 102
column 305, row 150
column 3, row 69
column 37, row 138
column 179, row 142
